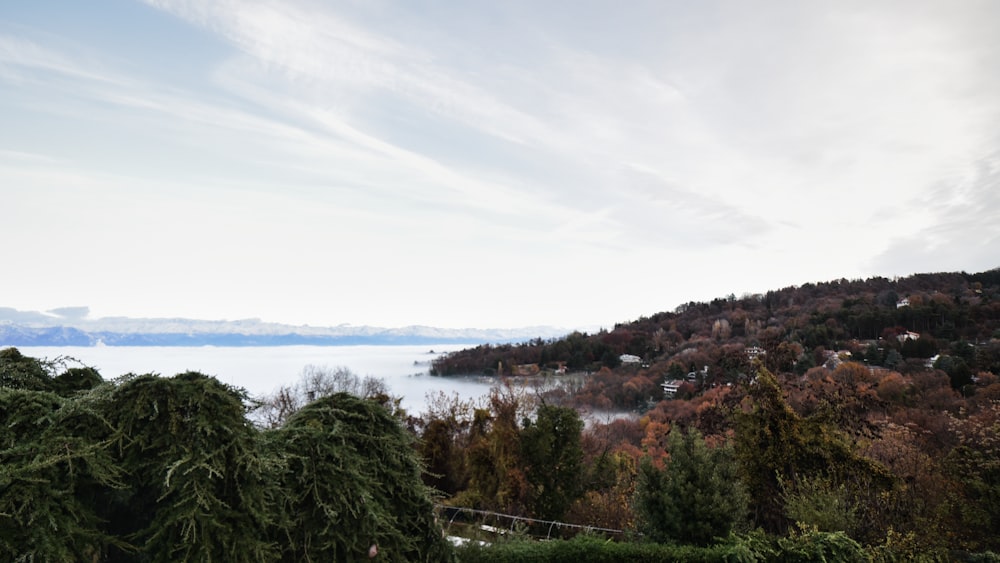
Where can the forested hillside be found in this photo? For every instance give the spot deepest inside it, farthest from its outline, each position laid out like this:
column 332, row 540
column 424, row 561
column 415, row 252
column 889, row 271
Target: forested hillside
column 866, row 407
column 882, row 322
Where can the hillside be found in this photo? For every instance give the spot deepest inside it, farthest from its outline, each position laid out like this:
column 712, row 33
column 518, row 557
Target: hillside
column 869, row 408
column 895, row 323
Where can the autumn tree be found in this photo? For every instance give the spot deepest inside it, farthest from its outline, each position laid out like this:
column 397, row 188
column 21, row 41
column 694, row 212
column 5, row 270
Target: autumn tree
column 444, row 436
column 975, row 463
column 497, row 478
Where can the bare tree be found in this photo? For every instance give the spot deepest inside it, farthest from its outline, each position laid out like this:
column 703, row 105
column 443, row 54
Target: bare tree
column 316, row 382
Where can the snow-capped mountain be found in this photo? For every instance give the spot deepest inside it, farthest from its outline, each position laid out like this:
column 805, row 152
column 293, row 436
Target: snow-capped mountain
column 72, row 326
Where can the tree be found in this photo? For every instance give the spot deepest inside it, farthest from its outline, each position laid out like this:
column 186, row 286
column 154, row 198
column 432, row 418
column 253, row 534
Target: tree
column 76, row 379
column 352, row 480
column 975, row 463
column 197, row 487
column 497, row 479
column 53, row 460
column 958, row 371
column 550, row 448
column 768, row 439
column 696, row 498
column 148, row 468
column 774, row 445
column 18, row 371
column 314, row 383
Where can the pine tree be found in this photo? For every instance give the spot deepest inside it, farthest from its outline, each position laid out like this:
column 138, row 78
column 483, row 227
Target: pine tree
column 54, row 457
column 353, row 481
column 550, row 448
column 198, row 487
column 696, row 498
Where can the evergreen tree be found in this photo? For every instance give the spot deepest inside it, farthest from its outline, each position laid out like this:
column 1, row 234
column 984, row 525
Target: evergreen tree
column 53, row 459
column 353, row 481
column 696, row 498
column 198, row 487
column 18, row 371
column 551, row 451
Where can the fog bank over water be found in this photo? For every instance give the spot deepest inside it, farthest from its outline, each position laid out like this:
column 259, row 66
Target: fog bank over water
column 261, row 370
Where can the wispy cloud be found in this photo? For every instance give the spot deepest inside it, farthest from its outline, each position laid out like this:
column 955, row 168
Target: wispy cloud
column 821, row 141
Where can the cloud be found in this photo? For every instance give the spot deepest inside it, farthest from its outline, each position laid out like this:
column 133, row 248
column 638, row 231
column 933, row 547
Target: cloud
column 958, row 229
column 787, row 142
column 73, row 313
column 17, row 54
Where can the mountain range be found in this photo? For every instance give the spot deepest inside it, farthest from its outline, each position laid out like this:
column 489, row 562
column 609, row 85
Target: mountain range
column 73, row 326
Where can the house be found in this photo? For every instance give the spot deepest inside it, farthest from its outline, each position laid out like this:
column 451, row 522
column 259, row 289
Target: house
column 629, row 359
column 904, row 302
column 701, row 374
column 754, row 352
column 908, row 335
column 670, row 388
column 835, row 358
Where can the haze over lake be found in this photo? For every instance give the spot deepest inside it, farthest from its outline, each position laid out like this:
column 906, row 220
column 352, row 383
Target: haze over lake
column 261, row 370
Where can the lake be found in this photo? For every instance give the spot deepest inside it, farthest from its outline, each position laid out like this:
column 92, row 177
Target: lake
column 261, row 370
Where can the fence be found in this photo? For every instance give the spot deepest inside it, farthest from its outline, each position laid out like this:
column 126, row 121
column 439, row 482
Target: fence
column 474, row 523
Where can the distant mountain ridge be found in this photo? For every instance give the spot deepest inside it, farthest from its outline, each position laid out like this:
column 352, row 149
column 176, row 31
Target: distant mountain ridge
column 71, row 326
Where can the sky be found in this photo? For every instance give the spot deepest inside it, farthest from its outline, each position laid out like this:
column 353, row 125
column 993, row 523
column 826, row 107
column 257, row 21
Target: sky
column 487, row 164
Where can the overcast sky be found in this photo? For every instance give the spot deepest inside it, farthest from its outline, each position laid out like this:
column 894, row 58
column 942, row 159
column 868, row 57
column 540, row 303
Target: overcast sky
column 487, row 163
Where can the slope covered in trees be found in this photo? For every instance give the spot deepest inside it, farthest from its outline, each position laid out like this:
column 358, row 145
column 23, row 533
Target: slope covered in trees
column 952, row 319
column 867, row 408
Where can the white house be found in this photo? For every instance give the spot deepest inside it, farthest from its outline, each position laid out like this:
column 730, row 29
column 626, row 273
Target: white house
column 670, row 387
column 629, row 359
column 754, row 352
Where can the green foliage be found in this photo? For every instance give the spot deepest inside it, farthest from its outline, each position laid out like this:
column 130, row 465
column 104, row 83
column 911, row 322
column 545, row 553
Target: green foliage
column 818, row 503
column 550, row 447
column 197, row 486
column 585, row 549
column 808, row 545
column 775, row 445
column 497, row 478
column 958, row 371
column 769, row 442
column 804, row 546
column 353, row 480
column 76, row 379
column 696, row 498
column 170, row 469
column 906, row 548
column 975, row 462
column 53, row 457
column 22, row 372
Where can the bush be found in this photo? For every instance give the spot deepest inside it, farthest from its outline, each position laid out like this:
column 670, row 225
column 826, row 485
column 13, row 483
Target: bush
column 800, row 547
column 585, row 549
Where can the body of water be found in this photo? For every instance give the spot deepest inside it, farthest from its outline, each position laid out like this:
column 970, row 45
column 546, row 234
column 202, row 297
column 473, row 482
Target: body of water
column 261, row 370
